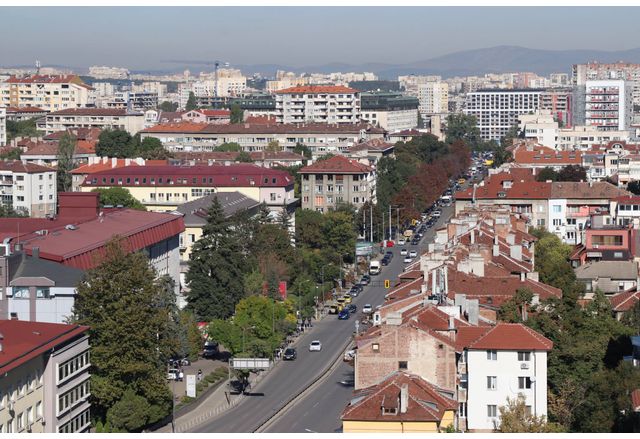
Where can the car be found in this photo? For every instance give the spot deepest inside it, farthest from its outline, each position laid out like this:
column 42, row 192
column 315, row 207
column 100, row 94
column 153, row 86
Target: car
column 415, row 241
column 355, row 290
column 289, row 354
column 367, row 309
column 174, row 375
column 385, row 261
column 315, row 346
column 401, row 241
column 413, row 253
column 407, row 259
column 349, row 355
column 210, row 349
column 344, row 315
column 365, row 280
column 403, row 252
column 389, row 254
column 352, row 308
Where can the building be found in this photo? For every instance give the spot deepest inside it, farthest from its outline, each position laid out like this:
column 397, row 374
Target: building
column 104, row 72
column 18, row 114
column 540, row 127
column 3, row 126
column 433, row 97
column 28, row 188
column 48, row 92
column 114, row 119
column 321, row 138
column 530, row 155
column 370, row 152
column 46, row 153
column 593, row 71
column 559, row 103
column 314, row 103
column 390, row 111
column 610, row 277
column 45, row 378
column 607, row 105
column 208, row 116
column 164, row 188
column 267, row 159
column 285, row 80
column 497, row 110
column 256, row 105
column 328, row 183
column 403, row 403
column 97, row 164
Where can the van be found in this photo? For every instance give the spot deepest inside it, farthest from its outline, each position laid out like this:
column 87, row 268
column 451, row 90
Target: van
column 374, row 268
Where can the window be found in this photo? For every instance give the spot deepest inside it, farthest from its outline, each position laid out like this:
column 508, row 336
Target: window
column 272, row 196
column 39, row 410
column 557, row 222
column 492, row 383
column 29, row 415
column 492, row 355
column 524, row 382
column 556, row 208
column 68, row 399
column 43, row 293
column 78, row 423
column 10, row 426
column 72, row 366
column 356, row 188
column 20, row 292
column 527, row 410
column 524, row 356
column 20, row 419
column 402, row 365
column 492, row 411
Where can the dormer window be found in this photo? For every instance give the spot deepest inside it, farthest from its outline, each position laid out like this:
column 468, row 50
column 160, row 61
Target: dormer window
column 502, row 194
column 389, row 410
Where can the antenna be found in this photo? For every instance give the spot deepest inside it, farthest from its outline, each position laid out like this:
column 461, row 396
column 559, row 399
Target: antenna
column 38, row 65
column 215, row 84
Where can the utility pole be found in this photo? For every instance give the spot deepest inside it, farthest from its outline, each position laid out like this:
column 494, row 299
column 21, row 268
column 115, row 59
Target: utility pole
column 389, row 221
column 215, row 84
column 371, row 222
column 383, row 226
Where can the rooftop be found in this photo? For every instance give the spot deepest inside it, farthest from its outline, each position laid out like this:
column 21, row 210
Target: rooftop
column 336, row 165
column 261, row 128
column 195, row 212
column 86, row 111
column 21, row 167
column 315, row 89
column 512, row 336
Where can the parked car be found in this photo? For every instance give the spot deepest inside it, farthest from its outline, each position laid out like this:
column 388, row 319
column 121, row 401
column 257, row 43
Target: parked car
column 437, row 213
column 210, row 349
column 401, row 241
column 315, row 346
column 365, row 280
column 289, row 354
column 355, row 290
column 349, row 355
column 173, row 375
column 389, row 254
column 352, row 308
column 344, row 314
column 415, row 241
column 407, row 259
column 413, row 254
column 367, row 309
column 403, row 252
column 385, row 261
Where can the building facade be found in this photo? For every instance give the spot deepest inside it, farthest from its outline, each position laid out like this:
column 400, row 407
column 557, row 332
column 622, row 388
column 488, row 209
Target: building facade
column 390, row 111
column 433, row 97
column 114, row 119
column 3, row 126
column 28, row 188
column 323, row 104
column 49, row 92
column 608, row 105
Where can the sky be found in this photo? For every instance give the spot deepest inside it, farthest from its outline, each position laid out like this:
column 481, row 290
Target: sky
column 148, row 38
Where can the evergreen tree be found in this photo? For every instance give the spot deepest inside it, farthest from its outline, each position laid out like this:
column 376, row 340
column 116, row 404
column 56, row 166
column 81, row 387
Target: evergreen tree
column 237, row 115
column 115, row 143
column 264, row 214
column 215, row 276
column 244, row 157
column 191, row 102
column 122, row 303
column 284, row 217
column 66, row 150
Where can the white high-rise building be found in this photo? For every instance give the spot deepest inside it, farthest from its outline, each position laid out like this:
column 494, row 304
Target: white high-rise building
column 608, row 104
column 433, row 98
column 335, row 104
column 3, row 126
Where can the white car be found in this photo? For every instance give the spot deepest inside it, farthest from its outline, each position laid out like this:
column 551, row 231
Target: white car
column 403, row 252
column 407, row 259
column 413, row 254
column 367, row 309
column 437, row 214
column 401, row 241
column 315, row 346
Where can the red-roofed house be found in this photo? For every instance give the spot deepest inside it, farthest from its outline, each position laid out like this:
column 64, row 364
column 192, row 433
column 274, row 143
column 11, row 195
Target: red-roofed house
column 402, row 403
column 48, row 92
column 318, row 103
column 45, row 378
column 208, row 116
column 97, row 164
column 536, row 156
column 327, row 183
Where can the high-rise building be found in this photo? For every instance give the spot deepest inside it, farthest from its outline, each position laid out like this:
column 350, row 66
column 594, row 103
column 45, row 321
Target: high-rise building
column 328, row 104
column 433, row 98
column 391, row 111
column 3, row 126
column 607, row 104
column 48, row 92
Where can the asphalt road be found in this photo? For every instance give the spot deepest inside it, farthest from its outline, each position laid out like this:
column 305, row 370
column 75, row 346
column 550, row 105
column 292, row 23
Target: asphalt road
column 319, row 412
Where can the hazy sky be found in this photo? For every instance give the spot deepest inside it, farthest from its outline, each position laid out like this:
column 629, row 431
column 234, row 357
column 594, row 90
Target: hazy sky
column 148, row 37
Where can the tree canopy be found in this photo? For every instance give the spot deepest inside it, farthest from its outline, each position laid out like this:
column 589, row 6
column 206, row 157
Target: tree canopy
column 66, row 151
column 567, row 173
column 168, row 106
column 237, row 115
column 121, row 144
column 118, row 196
column 191, row 102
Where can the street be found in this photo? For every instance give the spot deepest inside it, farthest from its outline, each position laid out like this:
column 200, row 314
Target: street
column 318, row 412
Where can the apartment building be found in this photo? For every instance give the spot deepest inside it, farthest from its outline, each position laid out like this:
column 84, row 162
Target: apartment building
column 390, row 111
column 321, row 138
column 541, row 127
column 328, row 183
column 208, row 116
column 607, row 105
column 104, row 72
column 228, row 83
column 3, row 126
column 411, row 83
column 530, row 155
column 433, row 98
column 594, row 71
column 497, row 110
column 18, row 114
column 164, row 188
column 103, row 118
column 559, row 103
column 285, row 80
column 316, row 103
column 97, row 164
column 28, row 188
column 49, row 92
column 45, row 378
column 256, row 105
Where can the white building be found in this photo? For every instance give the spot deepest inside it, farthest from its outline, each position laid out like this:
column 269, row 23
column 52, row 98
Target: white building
column 28, row 188
column 608, row 105
column 508, row 360
column 48, row 92
column 326, row 104
column 3, row 126
column 391, row 111
column 433, row 98
column 104, row 72
column 103, row 118
column 496, row 111
column 541, row 126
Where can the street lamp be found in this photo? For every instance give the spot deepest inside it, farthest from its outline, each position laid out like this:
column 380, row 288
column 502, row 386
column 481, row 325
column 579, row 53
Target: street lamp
column 243, row 331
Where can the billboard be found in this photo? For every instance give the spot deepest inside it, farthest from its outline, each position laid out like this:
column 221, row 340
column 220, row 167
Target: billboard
column 364, row 248
column 250, row 363
column 191, row 386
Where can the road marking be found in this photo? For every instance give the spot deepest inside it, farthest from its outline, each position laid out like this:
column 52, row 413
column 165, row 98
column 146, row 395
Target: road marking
column 316, row 404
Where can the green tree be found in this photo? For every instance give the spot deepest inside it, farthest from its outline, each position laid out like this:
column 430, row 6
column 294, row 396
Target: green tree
column 303, row 150
column 191, row 102
column 190, row 336
column 244, row 157
column 119, row 301
column 23, row 128
column 516, row 308
column 118, row 196
column 273, row 146
column 115, row 143
column 229, row 147
column 11, row 154
column 508, row 138
column 253, row 283
column 66, row 150
column 129, row 414
column 501, row 156
column 572, row 173
column 514, row 418
column 465, row 128
column 9, row 212
column 634, row 187
column 168, row 106
column 264, row 214
column 151, row 148
column 215, row 275
column 546, row 174
column 237, row 115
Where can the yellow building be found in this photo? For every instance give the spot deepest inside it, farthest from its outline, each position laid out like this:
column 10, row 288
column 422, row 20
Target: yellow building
column 402, row 403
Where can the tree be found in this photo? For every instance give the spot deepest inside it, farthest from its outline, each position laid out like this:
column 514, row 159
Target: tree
column 634, row 187
column 23, row 128
column 324, row 157
column 501, row 156
column 253, row 283
column 510, row 136
column 118, row 196
column 244, row 157
column 264, row 214
column 572, row 173
column 9, row 212
column 465, row 128
column 120, row 301
column 547, row 174
column 216, row 264
column 131, row 413
column 11, row 154
column 191, row 102
column 273, row 146
column 152, row 148
column 515, row 418
column 284, row 217
column 229, row 147
column 66, row 150
column 237, row 115
column 303, row 150
column 115, row 143
column 168, row 106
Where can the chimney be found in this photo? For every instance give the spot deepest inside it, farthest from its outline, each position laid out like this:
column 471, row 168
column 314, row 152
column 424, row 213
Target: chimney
column 473, row 236
column 523, row 276
column 473, row 311
column 496, row 250
column 515, row 251
column 114, row 162
column 452, row 323
column 35, row 252
column 127, row 162
column 404, row 398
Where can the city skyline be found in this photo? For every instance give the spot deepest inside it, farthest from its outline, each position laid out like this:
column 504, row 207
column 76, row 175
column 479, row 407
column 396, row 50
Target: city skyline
column 171, row 37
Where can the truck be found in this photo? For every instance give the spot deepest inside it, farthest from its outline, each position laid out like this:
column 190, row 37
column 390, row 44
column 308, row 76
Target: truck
column 374, row 267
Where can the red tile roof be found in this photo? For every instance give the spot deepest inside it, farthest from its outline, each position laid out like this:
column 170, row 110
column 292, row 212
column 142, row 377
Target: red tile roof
column 624, row 301
column 26, row 110
column 119, row 163
column 629, row 199
column 372, row 145
column 80, row 133
column 260, row 120
column 214, row 113
column 18, row 166
column 51, row 149
column 234, row 175
column 336, row 165
column 247, row 128
column 91, row 112
column 45, row 79
column 512, row 336
column 541, row 155
column 520, row 189
column 23, row 341
column 315, row 89
column 426, row 402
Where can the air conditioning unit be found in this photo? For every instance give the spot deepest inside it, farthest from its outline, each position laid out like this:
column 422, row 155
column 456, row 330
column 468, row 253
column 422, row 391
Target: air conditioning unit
column 524, row 365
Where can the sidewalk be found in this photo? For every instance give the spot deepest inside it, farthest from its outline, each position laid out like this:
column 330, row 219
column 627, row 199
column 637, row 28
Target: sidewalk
column 219, row 400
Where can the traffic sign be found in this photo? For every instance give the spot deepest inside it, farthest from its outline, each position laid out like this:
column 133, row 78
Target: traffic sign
column 387, row 283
